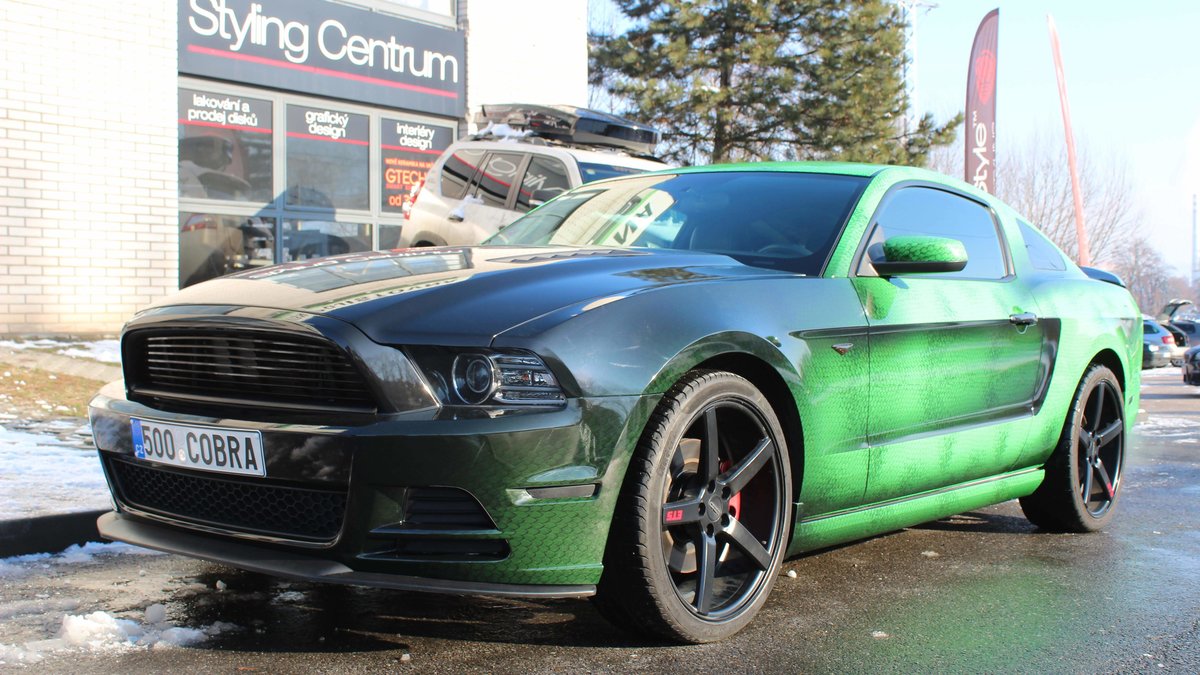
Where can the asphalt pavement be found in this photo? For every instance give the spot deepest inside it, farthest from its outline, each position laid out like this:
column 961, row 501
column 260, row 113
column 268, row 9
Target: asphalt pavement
column 980, row 592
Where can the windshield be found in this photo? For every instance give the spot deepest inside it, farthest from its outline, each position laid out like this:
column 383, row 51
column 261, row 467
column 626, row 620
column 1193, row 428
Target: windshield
column 590, row 172
column 779, row 220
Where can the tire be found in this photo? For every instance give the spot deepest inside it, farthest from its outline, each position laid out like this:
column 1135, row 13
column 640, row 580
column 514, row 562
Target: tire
column 1083, row 475
column 704, row 515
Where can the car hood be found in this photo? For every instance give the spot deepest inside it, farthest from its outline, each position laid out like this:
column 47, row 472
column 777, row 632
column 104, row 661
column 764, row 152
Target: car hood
column 459, row 296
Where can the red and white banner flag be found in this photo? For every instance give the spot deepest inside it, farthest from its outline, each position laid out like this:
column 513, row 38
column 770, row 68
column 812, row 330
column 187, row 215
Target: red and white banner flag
column 980, row 164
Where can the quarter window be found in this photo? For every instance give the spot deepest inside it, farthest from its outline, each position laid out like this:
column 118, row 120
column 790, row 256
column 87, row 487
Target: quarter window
column 918, row 211
column 1043, row 255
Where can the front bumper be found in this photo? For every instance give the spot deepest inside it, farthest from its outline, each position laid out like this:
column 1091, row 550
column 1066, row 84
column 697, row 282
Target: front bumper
column 547, row 482
column 295, row 565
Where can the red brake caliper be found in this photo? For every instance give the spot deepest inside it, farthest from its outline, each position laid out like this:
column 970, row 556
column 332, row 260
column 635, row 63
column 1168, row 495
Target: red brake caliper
column 735, row 502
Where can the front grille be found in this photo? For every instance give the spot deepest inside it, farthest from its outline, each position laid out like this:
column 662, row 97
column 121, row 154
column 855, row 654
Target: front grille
column 256, row 508
column 245, row 367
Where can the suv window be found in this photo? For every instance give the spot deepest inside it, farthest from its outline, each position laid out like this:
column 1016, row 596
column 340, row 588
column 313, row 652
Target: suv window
column 1043, row 255
column 545, row 179
column 923, row 211
column 497, row 178
column 458, row 171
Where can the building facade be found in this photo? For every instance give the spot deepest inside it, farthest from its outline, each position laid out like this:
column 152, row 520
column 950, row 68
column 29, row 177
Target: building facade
column 160, row 144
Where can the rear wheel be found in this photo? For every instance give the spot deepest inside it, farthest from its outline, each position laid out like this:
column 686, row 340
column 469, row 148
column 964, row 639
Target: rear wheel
column 1083, row 475
column 705, row 514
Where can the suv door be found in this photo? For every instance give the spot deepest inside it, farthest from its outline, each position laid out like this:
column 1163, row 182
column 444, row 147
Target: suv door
column 971, row 335
column 545, row 178
column 489, row 201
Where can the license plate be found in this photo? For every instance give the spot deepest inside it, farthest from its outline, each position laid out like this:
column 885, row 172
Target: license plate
column 237, row 451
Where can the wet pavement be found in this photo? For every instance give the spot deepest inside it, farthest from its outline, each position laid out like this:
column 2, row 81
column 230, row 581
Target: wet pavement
column 982, row 592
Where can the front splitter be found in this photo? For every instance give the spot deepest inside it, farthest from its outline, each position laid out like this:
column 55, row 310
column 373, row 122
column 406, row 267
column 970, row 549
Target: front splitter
column 119, row 527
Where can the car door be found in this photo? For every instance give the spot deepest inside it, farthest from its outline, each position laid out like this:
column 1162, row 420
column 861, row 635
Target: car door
column 489, row 201
column 956, row 357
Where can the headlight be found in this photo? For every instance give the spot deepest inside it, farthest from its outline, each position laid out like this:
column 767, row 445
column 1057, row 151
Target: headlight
column 480, row 377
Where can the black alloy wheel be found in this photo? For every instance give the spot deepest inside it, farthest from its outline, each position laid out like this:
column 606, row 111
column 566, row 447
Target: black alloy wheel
column 711, row 505
column 1083, row 475
column 1101, row 449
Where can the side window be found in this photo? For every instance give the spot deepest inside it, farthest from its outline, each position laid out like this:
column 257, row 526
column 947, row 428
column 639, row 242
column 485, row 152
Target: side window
column 497, row 178
column 545, row 179
column 1043, row 254
column 458, row 171
column 918, row 211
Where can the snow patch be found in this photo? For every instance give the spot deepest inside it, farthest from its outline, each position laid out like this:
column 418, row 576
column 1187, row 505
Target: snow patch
column 105, row 351
column 22, row 565
column 460, row 210
column 42, row 475
column 103, row 632
column 1168, row 427
column 504, row 132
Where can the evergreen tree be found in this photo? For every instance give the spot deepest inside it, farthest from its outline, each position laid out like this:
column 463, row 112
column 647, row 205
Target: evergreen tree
column 735, row 80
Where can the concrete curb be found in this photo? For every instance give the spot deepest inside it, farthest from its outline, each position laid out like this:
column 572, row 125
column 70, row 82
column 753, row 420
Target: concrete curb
column 62, row 365
column 48, row 534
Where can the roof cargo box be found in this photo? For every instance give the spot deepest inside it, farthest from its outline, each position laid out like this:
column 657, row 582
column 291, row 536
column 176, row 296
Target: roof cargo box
column 577, row 126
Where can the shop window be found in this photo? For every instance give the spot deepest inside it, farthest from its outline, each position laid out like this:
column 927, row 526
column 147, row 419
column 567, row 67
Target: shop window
column 327, row 158
column 307, row 239
column 407, row 150
column 389, row 237
column 224, row 146
column 213, row 245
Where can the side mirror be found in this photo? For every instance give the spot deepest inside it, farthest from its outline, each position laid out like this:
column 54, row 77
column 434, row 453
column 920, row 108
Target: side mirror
column 917, row 255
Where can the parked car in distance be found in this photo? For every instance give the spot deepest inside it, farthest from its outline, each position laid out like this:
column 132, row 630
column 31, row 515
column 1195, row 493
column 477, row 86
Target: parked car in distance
column 650, row 390
column 1157, row 344
column 527, row 156
column 1191, row 366
column 1179, row 343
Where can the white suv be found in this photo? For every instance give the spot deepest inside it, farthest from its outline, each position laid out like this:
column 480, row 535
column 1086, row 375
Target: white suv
column 480, row 185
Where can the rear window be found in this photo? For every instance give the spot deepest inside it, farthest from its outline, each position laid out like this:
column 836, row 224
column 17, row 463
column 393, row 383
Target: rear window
column 589, row 172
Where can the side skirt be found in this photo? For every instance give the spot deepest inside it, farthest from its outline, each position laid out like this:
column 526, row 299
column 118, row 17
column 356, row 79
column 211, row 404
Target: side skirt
column 845, row 526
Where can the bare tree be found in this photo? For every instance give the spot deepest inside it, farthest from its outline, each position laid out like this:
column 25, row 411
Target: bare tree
column 1145, row 274
column 1033, row 178
column 1036, row 182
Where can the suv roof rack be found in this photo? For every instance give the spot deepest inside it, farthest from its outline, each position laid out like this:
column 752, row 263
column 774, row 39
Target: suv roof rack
column 573, row 126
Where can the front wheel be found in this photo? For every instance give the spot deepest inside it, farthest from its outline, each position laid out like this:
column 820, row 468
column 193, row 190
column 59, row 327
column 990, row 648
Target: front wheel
column 705, row 514
column 1083, row 475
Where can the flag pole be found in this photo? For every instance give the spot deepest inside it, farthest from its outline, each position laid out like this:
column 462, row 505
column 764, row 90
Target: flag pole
column 1085, row 256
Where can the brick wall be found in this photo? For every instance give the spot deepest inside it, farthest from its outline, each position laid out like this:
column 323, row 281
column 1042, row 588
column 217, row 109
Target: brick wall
column 88, row 176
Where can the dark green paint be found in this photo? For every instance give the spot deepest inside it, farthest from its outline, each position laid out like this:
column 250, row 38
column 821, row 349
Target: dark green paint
column 916, row 397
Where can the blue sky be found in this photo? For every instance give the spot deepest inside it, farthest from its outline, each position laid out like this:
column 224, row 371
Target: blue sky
column 1133, row 78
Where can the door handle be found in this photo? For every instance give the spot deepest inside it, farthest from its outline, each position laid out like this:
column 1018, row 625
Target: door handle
column 1023, row 319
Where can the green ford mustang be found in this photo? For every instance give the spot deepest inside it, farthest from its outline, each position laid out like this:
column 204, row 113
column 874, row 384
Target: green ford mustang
column 649, row 390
